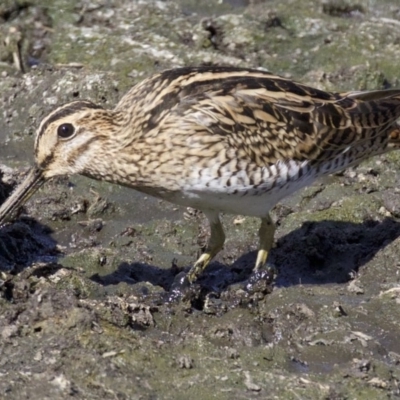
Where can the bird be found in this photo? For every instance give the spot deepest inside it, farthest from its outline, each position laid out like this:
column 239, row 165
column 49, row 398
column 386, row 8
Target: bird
column 220, row 139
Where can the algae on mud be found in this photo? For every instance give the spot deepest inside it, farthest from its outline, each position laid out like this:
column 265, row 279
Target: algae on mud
column 82, row 309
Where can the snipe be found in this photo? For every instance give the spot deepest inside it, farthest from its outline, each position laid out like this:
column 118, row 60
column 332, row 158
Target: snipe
column 218, row 139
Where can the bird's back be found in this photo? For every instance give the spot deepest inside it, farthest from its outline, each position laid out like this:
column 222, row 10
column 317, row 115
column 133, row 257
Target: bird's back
column 216, row 131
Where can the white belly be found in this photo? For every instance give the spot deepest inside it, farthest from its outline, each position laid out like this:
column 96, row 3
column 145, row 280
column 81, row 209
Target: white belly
column 240, row 199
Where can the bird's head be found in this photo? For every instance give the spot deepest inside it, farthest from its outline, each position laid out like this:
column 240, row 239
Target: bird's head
column 68, row 141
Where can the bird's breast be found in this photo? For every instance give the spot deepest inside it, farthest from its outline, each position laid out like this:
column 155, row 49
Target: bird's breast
column 253, row 192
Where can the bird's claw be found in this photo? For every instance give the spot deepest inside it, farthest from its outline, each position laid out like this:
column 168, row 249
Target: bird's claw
column 181, row 288
column 260, row 281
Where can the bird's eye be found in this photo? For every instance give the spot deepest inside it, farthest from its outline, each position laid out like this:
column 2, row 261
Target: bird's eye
column 65, row 131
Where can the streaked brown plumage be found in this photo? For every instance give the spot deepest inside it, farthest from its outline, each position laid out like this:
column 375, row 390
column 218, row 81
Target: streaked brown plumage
column 219, row 139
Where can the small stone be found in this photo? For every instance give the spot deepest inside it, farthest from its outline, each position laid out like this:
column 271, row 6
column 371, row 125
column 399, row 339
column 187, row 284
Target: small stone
column 108, row 354
column 61, row 382
column 249, row 383
column 232, row 353
column 353, row 287
column 9, row 331
column 338, row 310
column 394, row 357
column 38, row 356
column 378, row 383
column 185, row 361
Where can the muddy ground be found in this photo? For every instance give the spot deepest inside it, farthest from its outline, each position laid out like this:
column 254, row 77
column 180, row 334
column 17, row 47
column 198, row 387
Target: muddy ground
column 86, row 267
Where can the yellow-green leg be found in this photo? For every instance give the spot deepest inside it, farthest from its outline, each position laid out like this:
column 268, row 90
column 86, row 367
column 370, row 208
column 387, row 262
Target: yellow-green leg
column 266, row 236
column 263, row 273
column 214, row 245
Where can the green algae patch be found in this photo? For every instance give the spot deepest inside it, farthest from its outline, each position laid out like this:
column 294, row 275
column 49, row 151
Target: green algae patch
column 352, row 209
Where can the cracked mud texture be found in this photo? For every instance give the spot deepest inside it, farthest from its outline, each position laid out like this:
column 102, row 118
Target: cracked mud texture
column 86, row 266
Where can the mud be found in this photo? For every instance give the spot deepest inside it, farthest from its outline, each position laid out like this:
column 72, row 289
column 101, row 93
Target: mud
column 87, row 266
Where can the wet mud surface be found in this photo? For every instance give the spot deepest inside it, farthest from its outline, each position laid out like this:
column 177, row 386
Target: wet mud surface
column 86, row 268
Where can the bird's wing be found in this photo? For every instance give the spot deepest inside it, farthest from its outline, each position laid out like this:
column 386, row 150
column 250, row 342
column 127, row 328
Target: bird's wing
column 271, row 119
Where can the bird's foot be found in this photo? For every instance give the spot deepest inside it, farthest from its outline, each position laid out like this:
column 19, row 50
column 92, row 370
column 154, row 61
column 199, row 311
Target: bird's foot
column 182, row 289
column 180, row 285
column 261, row 279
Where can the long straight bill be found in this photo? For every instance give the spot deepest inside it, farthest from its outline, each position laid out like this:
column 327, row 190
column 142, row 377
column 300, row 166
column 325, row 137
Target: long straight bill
column 21, row 194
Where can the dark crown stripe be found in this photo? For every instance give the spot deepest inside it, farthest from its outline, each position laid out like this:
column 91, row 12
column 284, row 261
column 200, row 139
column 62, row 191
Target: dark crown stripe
column 64, row 111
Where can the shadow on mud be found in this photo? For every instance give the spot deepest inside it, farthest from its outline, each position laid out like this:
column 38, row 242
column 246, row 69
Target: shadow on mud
column 330, row 251
column 317, row 253
column 25, row 242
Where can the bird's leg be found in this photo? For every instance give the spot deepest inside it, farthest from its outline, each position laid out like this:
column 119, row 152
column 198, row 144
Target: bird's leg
column 263, row 273
column 266, row 236
column 182, row 282
column 214, row 245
